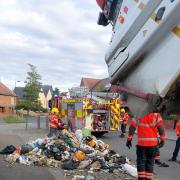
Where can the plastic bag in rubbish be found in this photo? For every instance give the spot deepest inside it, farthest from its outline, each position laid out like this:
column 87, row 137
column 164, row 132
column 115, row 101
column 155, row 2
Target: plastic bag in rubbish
column 70, row 165
column 8, row 150
column 25, row 160
column 35, row 150
column 26, row 148
column 130, row 169
column 84, row 164
column 79, row 156
column 38, row 142
column 86, row 132
column 79, row 135
column 12, row 158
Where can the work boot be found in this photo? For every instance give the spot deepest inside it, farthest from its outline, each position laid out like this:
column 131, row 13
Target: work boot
column 164, row 165
column 158, row 162
column 173, row 159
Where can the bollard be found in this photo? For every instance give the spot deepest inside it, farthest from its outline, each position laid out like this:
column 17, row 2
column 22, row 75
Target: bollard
column 47, row 122
column 38, row 121
column 26, row 123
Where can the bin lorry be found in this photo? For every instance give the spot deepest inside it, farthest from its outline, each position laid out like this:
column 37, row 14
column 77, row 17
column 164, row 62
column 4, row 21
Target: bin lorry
column 143, row 56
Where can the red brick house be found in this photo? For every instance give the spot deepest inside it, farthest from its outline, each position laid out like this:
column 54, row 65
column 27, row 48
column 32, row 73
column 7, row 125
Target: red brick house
column 7, row 99
column 89, row 82
column 98, row 84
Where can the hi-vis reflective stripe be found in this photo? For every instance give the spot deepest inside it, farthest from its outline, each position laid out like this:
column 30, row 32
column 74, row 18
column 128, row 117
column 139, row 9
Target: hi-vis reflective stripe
column 147, row 139
column 142, row 174
column 157, row 158
column 149, row 175
column 147, row 125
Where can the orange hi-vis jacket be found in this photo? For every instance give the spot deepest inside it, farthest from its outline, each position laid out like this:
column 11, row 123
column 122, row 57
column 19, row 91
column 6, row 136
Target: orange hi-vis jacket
column 53, row 121
column 178, row 128
column 125, row 118
column 147, row 129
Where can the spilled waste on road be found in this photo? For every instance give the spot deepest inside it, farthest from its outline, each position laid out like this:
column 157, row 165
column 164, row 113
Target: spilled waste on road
column 80, row 156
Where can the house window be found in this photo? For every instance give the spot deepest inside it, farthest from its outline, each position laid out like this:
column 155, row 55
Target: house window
column 2, row 109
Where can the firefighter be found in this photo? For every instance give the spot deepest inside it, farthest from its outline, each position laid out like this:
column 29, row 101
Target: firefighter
column 148, row 128
column 125, row 117
column 176, row 150
column 53, row 122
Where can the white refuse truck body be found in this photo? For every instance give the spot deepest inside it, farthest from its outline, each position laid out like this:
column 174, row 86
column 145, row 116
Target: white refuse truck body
column 143, row 56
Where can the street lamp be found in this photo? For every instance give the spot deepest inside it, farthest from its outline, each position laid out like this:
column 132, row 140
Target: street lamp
column 15, row 83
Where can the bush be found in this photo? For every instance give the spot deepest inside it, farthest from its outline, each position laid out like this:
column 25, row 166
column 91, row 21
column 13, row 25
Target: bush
column 170, row 117
column 13, row 119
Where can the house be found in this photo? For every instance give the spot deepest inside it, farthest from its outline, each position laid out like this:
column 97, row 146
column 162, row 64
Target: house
column 102, row 85
column 44, row 96
column 19, row 91
column 48, row 92
column 7, row 99
column 89, row 83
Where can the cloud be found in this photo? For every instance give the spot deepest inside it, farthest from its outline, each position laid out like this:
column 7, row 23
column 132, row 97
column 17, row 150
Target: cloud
column 62, row 39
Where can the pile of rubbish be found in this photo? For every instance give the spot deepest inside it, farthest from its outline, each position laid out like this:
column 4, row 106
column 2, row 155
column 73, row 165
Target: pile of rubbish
column 73, row 153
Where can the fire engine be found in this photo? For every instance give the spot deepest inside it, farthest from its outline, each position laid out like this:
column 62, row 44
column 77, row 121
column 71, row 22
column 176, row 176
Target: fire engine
column 87, row 113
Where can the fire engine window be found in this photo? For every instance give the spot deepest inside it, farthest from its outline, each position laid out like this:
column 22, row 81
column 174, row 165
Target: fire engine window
column 100, row 122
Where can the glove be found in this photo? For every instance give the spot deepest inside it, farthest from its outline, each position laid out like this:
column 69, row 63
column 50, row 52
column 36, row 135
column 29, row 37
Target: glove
column 161, row 144
column 129, row 144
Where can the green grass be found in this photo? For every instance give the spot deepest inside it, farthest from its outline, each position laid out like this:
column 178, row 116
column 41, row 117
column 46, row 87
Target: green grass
column 13, row 119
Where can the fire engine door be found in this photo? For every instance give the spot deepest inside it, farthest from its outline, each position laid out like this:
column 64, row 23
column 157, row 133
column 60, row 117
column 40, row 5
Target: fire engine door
column 71, row 114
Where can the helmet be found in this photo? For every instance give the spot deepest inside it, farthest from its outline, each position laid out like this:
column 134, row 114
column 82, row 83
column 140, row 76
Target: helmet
column 123, row 110
column 54, row 110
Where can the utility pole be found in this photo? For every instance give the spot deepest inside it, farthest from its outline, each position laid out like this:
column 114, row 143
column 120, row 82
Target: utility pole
column 15, row 83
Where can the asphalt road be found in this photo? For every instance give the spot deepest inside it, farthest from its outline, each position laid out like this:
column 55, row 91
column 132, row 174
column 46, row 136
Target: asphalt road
column 18, row 171
column 161, row 173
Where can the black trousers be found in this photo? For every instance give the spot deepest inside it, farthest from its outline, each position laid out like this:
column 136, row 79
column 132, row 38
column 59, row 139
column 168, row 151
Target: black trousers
column 123, row 128
column 145, row 162
column 157, row 153
column 176, row 150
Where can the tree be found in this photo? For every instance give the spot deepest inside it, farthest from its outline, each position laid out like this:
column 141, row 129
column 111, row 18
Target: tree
column 32, row 90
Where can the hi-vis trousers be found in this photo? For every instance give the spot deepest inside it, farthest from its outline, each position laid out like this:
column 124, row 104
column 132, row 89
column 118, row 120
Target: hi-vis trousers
column 145, row 162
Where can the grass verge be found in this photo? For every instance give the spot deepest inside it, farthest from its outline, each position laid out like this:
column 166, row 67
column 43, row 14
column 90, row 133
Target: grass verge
column 13, row 119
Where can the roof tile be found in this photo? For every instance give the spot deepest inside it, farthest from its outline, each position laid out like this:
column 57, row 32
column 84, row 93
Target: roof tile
column 6, row 91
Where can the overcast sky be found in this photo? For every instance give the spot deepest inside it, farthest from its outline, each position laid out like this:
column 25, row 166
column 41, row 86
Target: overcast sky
column 60, row 37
